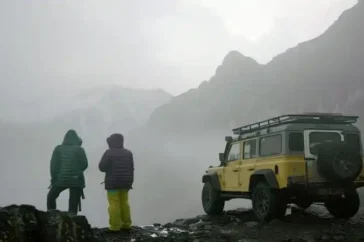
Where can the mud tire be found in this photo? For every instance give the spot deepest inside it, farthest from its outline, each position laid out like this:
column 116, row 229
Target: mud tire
column 338, row 162
column 212, row 203
column 267, row 203
column 344, row 208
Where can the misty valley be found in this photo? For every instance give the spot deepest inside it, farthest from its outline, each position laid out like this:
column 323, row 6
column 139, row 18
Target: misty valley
column 176, row 138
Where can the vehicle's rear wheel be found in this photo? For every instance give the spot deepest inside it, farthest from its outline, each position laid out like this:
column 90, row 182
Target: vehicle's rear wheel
column 267, row 203
column 344, row 207
column 212, row 203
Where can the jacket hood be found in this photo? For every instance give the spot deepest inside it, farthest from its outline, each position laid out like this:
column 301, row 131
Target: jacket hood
column 115, row 141
column 71, row 138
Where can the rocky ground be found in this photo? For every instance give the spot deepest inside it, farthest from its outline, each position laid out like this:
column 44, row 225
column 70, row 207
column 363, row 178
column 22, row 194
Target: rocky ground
column 25, row 223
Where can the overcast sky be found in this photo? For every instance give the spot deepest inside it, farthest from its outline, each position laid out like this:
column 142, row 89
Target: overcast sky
column 168, row 44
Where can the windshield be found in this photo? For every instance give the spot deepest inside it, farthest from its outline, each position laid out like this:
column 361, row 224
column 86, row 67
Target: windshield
column 322, row 137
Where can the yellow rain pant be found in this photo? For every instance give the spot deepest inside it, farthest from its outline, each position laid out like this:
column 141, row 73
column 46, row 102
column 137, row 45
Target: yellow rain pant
column 119, row 209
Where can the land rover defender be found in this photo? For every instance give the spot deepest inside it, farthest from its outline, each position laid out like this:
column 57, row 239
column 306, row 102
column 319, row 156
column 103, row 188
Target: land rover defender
column 294, row 158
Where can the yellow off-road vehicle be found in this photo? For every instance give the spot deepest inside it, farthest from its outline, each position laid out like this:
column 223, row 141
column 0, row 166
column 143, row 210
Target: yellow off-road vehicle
column 295, row 158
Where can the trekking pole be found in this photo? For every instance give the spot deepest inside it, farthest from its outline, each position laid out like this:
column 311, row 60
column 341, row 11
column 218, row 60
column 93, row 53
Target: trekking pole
column 82, row 195
column 79, row 205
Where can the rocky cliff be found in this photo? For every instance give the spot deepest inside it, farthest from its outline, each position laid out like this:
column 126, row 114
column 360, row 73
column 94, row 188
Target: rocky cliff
column 27, row 224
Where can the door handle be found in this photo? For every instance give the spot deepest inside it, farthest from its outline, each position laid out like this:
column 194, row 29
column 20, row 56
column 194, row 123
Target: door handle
column 251, row 169
column 235, row 170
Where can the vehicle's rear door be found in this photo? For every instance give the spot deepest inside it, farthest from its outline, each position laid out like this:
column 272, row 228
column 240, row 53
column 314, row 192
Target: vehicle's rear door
column 312, row 138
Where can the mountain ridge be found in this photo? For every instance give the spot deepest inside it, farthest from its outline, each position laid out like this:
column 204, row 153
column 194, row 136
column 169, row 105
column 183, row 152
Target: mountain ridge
column 321, row 74
column 39, row 111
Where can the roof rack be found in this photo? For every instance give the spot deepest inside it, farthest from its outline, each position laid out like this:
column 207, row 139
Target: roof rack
column 312, row 118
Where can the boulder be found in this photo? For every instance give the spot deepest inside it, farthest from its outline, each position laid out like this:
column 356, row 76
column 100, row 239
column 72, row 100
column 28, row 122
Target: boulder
column 25, row 223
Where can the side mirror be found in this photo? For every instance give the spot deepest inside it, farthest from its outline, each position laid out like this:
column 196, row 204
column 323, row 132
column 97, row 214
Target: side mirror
column 221, row 157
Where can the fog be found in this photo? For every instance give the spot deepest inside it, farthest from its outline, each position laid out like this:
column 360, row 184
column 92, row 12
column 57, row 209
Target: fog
column 168, row 172
column 102, row 67
column 173, row 45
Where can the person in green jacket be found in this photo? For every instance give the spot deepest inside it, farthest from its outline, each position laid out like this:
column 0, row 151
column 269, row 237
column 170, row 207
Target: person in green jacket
column 68, row 163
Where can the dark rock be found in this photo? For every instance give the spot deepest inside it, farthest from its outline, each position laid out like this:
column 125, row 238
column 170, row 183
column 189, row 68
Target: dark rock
column 208, row 227
column 168, row 225
column 188, row 221
column 26, row 224
column 251, row 224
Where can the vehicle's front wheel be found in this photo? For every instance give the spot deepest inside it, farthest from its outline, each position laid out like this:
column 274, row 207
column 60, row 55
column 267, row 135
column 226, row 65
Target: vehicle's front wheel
column 344, row 207
column 267, row 203
column 212, row 203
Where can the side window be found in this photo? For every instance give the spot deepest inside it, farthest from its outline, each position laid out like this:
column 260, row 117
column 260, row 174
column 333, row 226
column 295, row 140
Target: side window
column 250, row 149
column 270, row 145
column 295, row 142
column 234, row 153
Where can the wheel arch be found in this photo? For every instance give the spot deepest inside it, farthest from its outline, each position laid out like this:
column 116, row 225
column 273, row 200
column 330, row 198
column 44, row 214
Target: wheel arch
column 266, row 175
column 213, row 179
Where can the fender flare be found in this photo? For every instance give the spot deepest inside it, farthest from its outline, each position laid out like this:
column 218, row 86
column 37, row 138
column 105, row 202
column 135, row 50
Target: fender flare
column 213, row 178
column 267, row 174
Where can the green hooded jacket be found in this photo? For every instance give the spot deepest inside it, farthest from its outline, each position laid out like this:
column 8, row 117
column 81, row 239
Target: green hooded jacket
column 68, row 162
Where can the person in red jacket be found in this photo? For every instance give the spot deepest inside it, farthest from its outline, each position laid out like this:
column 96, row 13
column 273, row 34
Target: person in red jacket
column 118, row 165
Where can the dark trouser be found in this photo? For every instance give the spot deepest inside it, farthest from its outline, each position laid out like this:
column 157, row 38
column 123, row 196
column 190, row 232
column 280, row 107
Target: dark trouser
column 73, row 201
